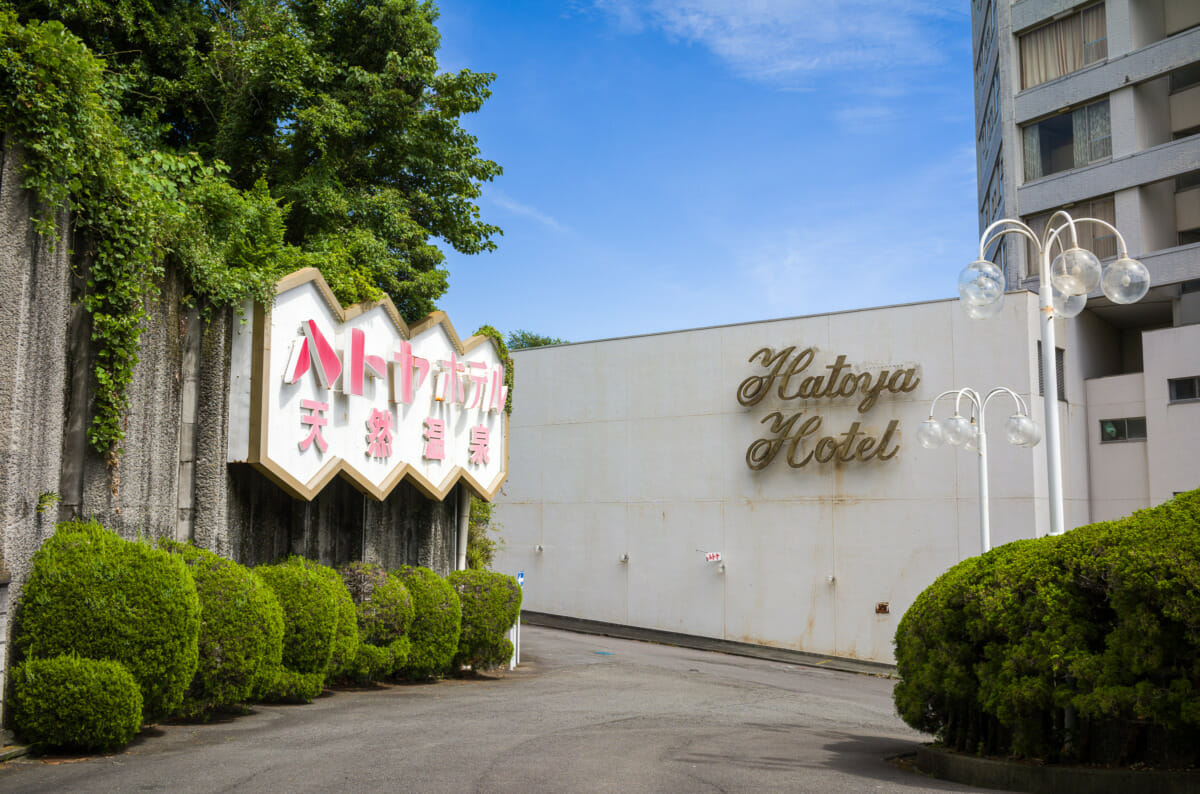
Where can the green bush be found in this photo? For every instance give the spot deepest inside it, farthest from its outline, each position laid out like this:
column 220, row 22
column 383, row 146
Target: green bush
column 371, row 663
column 241, row 631
column 384, row 605
column 491, row 603
column 345, row 637
column 289, row 686
column 1104, row 621
column 93, row 594
column 437, row 621
column 310, row 615
column 399, row 651
column 71, row 702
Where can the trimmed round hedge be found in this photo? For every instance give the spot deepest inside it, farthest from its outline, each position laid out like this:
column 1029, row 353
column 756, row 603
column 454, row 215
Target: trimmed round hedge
column 241, row 631
column 1103, row 621
column 310, row 614
column 437, row 621
column 345, row 637
column 491, row 603
column 93, row 594
column 76, row 703
column 385, row 608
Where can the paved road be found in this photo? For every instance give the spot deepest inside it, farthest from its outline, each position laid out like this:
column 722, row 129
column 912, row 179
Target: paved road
column 581, row 714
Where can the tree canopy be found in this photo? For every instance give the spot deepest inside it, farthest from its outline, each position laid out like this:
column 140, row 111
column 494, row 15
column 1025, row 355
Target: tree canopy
column 521, row 339
column 335, row 108
column 240, row 140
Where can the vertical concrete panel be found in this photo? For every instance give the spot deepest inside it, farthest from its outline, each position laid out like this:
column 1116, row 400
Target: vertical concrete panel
column 34, row 314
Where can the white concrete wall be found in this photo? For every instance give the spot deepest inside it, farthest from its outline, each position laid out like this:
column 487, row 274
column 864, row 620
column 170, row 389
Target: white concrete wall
column 1119, row 471
column 638, row 446
column 1172, row 429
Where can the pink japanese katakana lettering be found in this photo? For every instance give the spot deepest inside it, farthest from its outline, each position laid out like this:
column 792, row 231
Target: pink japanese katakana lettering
column 379, row 440
column 478, row 448
column 404, row 386
column 452, row 390
column 313, row 350
column 499, row 390
column 478, row 383
column 315, row 421
column 360, row 364
column 435, row 439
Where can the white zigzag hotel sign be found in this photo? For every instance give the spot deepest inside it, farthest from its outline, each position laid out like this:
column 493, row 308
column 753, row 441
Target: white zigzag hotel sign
column 317, row 390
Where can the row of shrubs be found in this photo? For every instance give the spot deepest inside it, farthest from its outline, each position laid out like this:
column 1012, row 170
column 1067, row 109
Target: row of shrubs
column 1078, row 647
column 111, row 633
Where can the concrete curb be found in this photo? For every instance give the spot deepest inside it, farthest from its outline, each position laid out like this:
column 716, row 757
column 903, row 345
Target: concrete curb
column 12, row 751
column 584, row 626
column 1049, row 779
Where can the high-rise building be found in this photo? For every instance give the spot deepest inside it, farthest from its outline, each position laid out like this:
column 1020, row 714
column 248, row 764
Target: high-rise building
column 1095, row 108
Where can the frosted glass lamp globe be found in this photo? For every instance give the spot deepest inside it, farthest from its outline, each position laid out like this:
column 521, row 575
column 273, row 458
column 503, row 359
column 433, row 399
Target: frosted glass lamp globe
column 1075, row 272
column 1125, row 281
column 929, row 434
column 958, row 430
column 1067, row 306
column 1022, row 431
column 983, row 311
column 981, row 283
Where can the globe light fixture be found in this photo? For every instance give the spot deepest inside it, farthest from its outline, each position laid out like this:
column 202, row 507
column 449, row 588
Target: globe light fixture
column 1075, row 272
column 1065, row 285
column 930, row 435
column 1125, row 281
column 1068, row 305
column 981, row 283
column 1021, row 431
column 959, row 431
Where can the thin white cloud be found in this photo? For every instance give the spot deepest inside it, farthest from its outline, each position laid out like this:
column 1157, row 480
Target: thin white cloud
column 797, row 40
column 511, row 205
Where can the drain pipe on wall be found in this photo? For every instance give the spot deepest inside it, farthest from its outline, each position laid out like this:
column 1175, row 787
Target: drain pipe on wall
column 464, row 518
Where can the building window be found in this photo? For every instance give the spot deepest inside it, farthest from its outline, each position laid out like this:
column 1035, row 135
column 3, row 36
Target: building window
column 1059, row 355
column 1184, row 389
column 1129, row 429
column 1063, row 46
column 1068, row 140
column 1092, row 236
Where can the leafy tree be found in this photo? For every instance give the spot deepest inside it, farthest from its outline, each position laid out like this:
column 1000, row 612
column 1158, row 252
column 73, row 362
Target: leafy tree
column 337, row 105
column 520, row 340
column 242, row 139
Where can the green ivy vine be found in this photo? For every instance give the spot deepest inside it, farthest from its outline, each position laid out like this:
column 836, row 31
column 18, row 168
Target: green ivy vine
column 495, row 336
column 129, row 208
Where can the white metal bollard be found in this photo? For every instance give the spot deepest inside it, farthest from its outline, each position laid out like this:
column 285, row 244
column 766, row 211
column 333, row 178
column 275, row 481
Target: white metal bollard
column 514, row 636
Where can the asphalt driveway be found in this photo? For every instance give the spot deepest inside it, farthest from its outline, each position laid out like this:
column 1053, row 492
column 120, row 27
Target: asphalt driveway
column 582, row 713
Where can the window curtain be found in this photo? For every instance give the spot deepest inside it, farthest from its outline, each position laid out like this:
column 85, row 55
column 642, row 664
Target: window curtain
column 1052, row 51
column 1080, row 149
column 1099, row 131
column 1104, row 242
column 1032, row 146
column 1095, row 34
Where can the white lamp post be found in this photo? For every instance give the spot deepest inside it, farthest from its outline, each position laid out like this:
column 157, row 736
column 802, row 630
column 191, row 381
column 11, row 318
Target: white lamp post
column 1074, row 273
column 958, row 431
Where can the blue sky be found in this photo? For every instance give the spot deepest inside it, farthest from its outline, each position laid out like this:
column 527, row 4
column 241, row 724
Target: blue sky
column 674, row 164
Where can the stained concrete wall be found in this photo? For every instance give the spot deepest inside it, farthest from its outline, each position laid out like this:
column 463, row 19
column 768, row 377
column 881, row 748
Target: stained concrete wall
column 34, row 314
